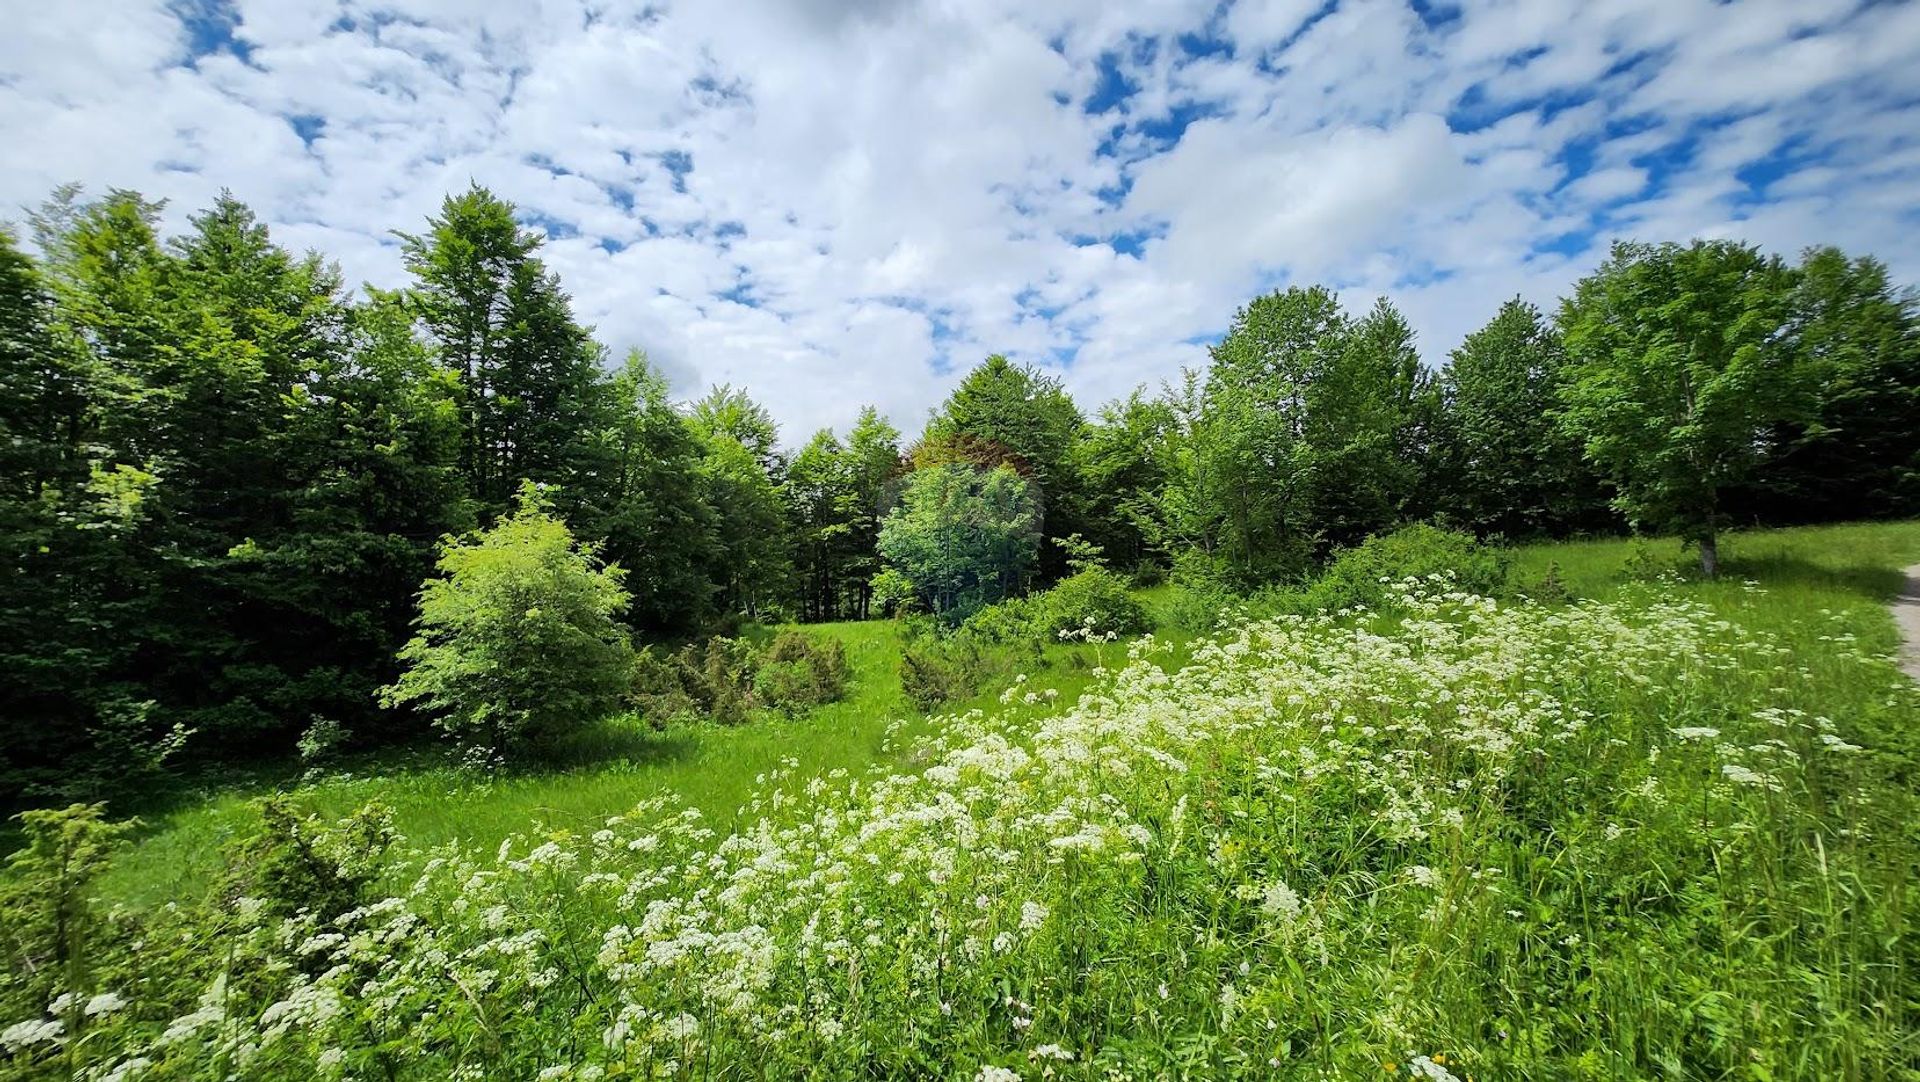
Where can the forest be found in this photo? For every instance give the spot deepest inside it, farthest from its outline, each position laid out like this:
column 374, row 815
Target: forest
column 229, row 481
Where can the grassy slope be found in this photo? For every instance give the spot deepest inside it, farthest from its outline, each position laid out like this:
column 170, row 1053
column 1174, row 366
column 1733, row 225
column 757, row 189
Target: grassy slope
column 1849, row 570
column 713, row 767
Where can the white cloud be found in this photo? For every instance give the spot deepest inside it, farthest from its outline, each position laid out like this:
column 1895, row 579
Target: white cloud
column 840, row 203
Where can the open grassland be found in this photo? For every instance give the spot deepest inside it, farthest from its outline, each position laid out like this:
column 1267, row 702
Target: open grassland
column 436, row 800
column 1657, row 829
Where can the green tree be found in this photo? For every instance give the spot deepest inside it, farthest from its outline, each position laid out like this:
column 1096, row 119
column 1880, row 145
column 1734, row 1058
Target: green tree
column 821, row 508
column 1365, row 425
column 1502, row 464
column 1014, row 414
column 1856, row 452
column 728, row 411
column 962, row 537
column 874, row 468
column 517, row 639
column 1245, row 484
column 751, row 565
column 648, row 501
column 1122, row 457
column 530, row 376
column 72, row 721
column 1678, row 372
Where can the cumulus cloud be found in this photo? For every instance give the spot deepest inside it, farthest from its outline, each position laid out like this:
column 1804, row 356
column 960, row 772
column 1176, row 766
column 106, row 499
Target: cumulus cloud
column 843, row 203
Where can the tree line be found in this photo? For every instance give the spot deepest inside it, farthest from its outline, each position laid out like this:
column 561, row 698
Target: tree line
column 224, row 477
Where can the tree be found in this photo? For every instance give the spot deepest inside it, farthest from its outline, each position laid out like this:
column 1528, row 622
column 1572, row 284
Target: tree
column 647, row 500
column 726, row 411
column 821, row 508
column 517, row 640
column 1502, row 464
column 962, row 538
column 751, row 565
column 873, row 472
column 1003, row 413
column 1244, row 484
column 1122, row 457
column 1678, row 372
column 72, row 722
column 1365, row 414
column 1856, row 452
column 529, row 375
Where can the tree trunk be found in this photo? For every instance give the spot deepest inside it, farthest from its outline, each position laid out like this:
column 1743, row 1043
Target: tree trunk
column 1710, row 555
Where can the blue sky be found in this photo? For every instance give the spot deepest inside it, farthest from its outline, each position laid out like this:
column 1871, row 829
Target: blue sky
column 845, row 201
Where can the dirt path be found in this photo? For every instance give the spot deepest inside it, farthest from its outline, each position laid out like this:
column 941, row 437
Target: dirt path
column 1906, row 614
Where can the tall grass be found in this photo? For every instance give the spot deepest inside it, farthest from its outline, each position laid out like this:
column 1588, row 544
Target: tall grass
column 1666, row 833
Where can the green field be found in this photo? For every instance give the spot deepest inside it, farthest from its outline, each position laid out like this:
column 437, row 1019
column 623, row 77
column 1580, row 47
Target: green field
column 604, row 772
column 1848, row 569
column 1652, row 827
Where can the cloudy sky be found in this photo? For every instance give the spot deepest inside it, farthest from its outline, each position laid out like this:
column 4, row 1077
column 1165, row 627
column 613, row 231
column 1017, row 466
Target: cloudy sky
column 844, row 202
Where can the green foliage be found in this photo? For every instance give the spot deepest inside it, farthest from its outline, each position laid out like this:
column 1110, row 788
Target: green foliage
column 649, row 501
column 517, row 639
column 49, row 924
column 1853, row 453
column 798, row 672
column 298, row 864
column 940, row 669
column 1122, row 459
column 1309, row 430
column 712, row 679
column 1004, row 414
column 1090, row 602
column 750, row 562
column 1501, row 464
column 1366, row 574
column 1678, row 371
column 530, row 381
column 961, row 537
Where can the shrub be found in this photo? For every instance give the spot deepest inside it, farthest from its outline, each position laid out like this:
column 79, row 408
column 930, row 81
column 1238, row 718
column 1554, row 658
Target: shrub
column 1201, row 604
column 939, row 669
column 798, row 672
column 296, row 862
column 1092, row 599
column 47, row 916
column 1354, row 578
column 517, row 640
column 712, row 679
column 1011, row 621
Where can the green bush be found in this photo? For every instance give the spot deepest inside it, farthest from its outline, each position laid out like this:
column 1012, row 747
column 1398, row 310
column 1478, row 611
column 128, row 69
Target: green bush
column 1201, row 604
column 1364, row 575
column 937, row 669
column 298, row 863
column 517, row 639
column 712, row 679
column 798, row 672
column 48, row 917
column 1093, row 600
column 1011, row 621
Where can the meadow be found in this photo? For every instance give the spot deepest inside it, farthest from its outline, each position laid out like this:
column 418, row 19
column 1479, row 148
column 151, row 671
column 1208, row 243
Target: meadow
column 1617, row 823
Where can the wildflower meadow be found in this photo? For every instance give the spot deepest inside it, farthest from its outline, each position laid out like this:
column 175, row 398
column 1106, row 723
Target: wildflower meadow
column 1657, row 835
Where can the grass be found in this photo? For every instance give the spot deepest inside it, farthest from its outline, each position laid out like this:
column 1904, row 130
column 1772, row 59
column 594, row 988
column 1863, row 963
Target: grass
column 1665, row 832
column 1852, row 568
column 603, row 773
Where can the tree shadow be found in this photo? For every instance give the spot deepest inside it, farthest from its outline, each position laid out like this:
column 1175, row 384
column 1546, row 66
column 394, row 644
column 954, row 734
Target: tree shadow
column 623, row 739
column 1870, row 581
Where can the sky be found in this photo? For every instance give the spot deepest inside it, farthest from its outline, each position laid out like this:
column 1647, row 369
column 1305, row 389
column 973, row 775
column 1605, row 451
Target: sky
column 838, row 202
